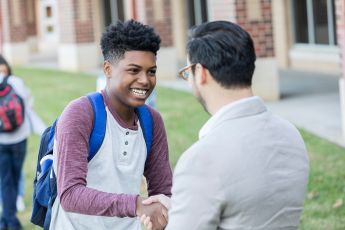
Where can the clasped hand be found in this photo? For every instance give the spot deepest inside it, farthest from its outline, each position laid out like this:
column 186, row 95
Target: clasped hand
column 153, row 211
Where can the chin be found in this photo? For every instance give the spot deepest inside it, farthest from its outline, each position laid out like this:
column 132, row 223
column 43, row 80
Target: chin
column 136, row 103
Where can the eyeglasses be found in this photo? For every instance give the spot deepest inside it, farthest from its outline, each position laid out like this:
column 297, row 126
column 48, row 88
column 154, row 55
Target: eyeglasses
column 184, row 73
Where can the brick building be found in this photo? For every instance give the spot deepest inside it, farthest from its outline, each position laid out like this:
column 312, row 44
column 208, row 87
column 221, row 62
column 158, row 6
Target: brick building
column 296, row 34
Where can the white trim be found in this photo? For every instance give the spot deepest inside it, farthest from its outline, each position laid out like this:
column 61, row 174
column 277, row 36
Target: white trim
column 167, row 63
column 76, row 57
column 330, row 22
column 310, row 21
column 292, row 17
column 324, row 53
column 266, row 79
column 11, row 51
column 197, row 12
column 113, row 10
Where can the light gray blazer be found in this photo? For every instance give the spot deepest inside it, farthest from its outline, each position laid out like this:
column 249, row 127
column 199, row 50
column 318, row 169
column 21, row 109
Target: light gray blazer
column 249, row 171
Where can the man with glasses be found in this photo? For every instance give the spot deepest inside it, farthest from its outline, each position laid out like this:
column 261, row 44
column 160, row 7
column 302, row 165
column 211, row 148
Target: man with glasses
column 249, row 168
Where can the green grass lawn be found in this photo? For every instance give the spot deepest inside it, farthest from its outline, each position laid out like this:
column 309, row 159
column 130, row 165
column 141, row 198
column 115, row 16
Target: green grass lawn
column 183, row 118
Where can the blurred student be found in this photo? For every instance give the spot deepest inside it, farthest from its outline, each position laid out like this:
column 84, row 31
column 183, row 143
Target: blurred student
column 14, row 131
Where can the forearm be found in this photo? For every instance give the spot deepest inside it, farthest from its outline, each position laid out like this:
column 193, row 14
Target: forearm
column 84, row 200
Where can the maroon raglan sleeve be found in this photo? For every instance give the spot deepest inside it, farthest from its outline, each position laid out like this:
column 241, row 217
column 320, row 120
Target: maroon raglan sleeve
column 72, row 139
column 157, row 169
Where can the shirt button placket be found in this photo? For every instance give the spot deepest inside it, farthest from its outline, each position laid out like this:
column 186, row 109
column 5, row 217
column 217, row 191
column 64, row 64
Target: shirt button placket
column 126, row 143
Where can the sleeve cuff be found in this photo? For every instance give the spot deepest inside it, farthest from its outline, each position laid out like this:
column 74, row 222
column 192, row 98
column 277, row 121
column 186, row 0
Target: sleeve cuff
column 132, row 205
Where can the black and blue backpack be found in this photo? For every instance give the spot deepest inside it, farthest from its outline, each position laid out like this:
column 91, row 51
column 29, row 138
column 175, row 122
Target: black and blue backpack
column 45, row 187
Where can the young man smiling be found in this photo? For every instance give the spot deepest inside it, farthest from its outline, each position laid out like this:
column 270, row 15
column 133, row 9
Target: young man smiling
column 104, row 193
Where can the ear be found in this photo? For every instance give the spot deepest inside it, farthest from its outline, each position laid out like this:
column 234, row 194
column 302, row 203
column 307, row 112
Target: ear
column 107, row 69
column 201, row 73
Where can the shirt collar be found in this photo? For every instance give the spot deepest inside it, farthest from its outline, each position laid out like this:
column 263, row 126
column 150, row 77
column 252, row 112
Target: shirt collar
column 207, row 127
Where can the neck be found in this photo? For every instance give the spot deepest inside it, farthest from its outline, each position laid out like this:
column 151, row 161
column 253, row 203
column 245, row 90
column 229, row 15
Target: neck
column 220, row 97
column 124, row 112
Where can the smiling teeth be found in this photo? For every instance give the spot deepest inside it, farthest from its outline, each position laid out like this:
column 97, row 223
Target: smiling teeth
column 139, row 92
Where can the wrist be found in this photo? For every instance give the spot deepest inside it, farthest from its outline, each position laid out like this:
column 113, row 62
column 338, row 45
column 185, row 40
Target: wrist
column 138, row 209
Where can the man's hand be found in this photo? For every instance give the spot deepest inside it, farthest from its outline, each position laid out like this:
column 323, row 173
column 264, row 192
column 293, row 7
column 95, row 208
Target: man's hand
column 164, row 200
column 154, row 215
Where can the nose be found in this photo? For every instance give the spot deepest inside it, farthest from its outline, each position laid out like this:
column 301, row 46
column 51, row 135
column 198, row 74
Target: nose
column 144, row 79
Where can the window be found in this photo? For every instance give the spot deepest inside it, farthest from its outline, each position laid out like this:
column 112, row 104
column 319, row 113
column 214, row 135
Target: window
column 50, row 29
column 314, row 22
column 49, row 12
column 197, row 11
column 113, row 11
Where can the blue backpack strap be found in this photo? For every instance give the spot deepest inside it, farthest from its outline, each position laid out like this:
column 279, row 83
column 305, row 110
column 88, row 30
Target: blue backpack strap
column 52, row 135
column 99, row 123
column 146, row 123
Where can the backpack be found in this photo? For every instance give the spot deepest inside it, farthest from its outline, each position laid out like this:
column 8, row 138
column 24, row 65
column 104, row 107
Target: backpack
column 11, row 108
column 45, row 187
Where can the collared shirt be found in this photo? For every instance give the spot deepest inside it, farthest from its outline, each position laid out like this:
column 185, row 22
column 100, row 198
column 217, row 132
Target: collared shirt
column 207, row 127
column 248, row 170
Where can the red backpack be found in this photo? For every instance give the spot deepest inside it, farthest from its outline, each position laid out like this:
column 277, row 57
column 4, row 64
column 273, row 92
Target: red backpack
column 11, row 108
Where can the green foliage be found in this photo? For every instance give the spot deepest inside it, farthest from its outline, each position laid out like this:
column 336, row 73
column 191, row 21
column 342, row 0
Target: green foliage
column 183, row 117
column 52, row 90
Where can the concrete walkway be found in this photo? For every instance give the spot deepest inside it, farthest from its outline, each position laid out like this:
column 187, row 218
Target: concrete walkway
column 308, row 100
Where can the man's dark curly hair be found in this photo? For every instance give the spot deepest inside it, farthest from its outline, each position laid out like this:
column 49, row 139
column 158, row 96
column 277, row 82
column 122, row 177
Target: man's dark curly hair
column 126, row 36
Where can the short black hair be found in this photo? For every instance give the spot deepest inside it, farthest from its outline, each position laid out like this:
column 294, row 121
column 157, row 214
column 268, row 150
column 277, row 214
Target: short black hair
column 226, row 50
column 127, row 36
column 4, row 62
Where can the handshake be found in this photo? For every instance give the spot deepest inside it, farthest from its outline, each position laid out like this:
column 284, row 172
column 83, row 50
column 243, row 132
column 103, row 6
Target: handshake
column 153, row 211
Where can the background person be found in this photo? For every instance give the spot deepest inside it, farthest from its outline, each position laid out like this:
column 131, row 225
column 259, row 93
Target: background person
column 13, row 150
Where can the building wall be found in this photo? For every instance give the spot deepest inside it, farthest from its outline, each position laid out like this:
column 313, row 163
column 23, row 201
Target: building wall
column 179, row 22
column 311, row 57
column 15, row 19
column 14, row 31
column 76, row 21
column 268, row 21
column 83, row 19
column 340, row 17
column 281, row 18
column 77, row 38
column 66, row 21
column 48, row 27
column 222, row 10
column 31, row 17
column 255, row 16
column 159, row 15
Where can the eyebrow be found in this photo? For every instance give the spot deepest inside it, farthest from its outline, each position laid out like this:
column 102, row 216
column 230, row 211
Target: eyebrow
column 138, row 66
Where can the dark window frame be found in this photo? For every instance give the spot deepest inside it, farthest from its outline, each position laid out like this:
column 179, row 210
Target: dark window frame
column 310, row 36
